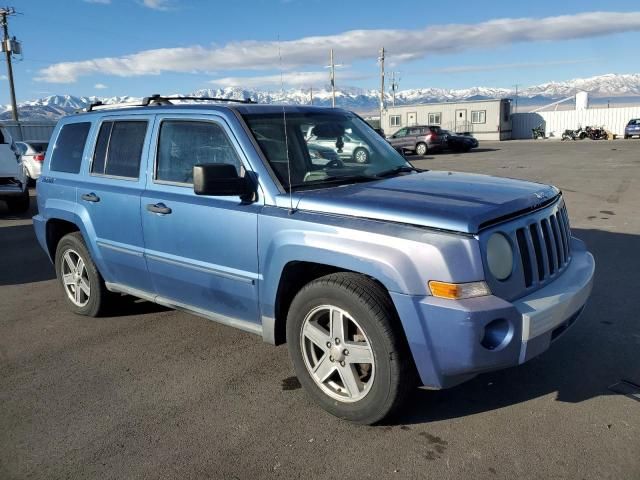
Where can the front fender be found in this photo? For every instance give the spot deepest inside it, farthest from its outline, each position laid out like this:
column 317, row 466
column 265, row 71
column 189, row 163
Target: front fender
column 402, row 258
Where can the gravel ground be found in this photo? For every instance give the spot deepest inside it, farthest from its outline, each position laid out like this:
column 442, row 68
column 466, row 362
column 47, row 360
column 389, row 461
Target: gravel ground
column 154, row 393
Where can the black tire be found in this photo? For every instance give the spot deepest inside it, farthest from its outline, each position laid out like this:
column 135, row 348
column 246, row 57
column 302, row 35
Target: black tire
column 99, row 295
column 19, row 204
column 364, row 300
column 421, row 148
column 626, row 137
column 361, row 155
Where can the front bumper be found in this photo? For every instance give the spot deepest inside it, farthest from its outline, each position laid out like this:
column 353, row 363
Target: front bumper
column 446, row 337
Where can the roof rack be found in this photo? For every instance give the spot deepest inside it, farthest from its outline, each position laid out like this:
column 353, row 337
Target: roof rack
column 157, row 99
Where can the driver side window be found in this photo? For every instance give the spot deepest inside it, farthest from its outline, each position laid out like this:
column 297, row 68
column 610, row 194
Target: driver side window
column 401, row 133
column 183, row 144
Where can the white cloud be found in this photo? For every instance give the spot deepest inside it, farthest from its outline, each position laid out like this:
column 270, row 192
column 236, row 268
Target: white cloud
column 401, row 45
column 100, row 86
column 288, row 78
column 156, row 4
column 101, row 2
column 4, row 77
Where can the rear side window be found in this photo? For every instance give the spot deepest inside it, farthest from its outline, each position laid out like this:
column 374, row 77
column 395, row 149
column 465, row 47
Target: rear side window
column 119, row 148
column 67, row 152
column 183, row 144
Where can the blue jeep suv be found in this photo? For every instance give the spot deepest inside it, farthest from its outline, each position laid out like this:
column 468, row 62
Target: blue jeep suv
column 378, row 276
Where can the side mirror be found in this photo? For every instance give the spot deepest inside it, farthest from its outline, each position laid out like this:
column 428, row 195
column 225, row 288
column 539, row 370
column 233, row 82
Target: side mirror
column 220, row 179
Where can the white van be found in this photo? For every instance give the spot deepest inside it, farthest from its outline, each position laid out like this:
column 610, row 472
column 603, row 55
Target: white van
column 13, row 179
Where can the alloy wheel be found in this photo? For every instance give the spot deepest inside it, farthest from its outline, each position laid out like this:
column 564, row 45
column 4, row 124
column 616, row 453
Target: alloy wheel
column 75, row 278
column 337, row 353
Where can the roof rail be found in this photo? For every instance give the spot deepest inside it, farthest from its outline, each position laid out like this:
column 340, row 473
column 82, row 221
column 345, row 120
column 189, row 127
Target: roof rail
column 157, row 99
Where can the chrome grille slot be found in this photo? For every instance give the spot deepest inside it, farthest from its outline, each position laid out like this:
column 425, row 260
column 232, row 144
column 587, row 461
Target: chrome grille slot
column 544, row 247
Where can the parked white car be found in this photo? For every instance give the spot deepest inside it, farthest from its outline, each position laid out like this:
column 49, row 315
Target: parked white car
column 347, row 145
column 13, row 178
column 31, row 157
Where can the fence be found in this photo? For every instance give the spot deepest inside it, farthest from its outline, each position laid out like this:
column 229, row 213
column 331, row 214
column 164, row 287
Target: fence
column 30, row 130
column 613, row 119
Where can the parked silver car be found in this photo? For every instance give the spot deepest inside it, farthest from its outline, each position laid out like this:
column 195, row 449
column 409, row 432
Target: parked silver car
column 419, row 139
column 31, row 157
column 348, row 146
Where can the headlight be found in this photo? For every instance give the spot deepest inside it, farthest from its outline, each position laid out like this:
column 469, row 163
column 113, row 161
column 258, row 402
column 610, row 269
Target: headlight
column 499, row 256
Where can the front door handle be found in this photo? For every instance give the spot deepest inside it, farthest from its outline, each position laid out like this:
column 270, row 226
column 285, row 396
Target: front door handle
column 158, row 208
column 90, row 197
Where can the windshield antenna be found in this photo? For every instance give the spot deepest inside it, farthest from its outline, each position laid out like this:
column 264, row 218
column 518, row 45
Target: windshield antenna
column 286, row 138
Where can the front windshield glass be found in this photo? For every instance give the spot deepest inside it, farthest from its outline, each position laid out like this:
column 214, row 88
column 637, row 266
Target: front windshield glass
column 325, row 148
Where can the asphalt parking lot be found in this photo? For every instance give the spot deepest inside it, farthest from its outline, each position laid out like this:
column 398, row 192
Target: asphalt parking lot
column 154, row 393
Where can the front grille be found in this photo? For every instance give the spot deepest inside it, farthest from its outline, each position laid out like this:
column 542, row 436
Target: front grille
column 544, row 247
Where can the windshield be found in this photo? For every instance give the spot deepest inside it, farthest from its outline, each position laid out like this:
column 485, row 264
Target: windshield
column 325, row 148
column 38, row 147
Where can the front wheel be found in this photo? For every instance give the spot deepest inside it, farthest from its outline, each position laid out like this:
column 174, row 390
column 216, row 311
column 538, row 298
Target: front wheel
column 347, row 348
column 421, row 149
column 82, row 284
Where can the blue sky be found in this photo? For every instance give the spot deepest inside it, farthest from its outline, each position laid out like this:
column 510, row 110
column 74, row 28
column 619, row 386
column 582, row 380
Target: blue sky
column 138, row 47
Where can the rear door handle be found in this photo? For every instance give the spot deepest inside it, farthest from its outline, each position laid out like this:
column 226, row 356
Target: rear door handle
column 90, row 197
column 158, row 208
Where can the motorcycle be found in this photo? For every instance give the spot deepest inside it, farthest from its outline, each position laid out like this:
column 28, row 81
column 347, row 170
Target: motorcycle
column 538, row 132
column 596, row 133
column 578, row 134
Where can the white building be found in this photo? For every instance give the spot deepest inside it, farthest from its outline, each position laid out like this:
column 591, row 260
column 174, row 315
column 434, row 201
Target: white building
column 485, row 119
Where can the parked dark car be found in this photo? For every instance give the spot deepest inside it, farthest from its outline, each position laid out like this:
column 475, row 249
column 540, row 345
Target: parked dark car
column 460, row 142
column 632, row 128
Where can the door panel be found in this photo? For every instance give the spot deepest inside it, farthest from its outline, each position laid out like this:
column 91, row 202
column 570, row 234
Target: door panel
column 113, row 205
column 203, row 253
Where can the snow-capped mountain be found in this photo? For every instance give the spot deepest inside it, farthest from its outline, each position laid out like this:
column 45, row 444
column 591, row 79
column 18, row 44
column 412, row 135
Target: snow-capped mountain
column 610, row 86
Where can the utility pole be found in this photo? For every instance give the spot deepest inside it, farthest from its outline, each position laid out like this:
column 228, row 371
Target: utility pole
column 332, row 76
column 517, row 85
column 8, row 47
column 311, row 94
column 381, row 58
column 394, row 86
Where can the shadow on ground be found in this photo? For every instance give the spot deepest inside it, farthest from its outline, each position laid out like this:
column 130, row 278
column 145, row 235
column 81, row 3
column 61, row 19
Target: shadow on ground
column 22, row 259
column 598, row 351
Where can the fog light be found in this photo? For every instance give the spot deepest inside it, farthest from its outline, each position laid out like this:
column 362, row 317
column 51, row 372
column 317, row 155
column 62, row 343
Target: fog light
column 497, row 333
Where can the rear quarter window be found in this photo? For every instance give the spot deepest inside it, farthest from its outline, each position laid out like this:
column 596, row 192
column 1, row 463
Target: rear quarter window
column 67, row 152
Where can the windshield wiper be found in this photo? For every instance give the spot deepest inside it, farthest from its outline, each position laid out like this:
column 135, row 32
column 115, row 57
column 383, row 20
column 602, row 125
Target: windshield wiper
column 397, row 170
column 336, row 179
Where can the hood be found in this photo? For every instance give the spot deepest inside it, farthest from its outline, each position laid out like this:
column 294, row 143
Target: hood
column 461, row 202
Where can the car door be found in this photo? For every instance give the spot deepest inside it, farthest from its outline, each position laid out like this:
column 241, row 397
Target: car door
column 413, row 137
column 201, row 251
column 109, row 195
column 399, row 139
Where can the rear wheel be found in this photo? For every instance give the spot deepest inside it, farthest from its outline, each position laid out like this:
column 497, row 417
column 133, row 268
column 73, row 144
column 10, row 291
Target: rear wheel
column 347, row 348
column 83, row 286
column 421, row 149
column 19, row 204
column 361, row 155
